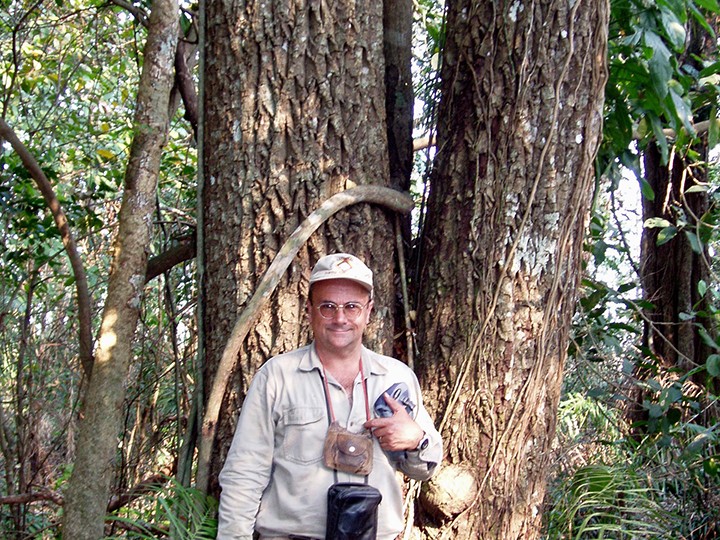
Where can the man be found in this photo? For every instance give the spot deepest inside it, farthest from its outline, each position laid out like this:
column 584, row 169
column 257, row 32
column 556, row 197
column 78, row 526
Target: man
column 275, row 480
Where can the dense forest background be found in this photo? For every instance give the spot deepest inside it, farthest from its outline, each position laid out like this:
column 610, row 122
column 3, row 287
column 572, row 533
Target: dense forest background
column 636, row 452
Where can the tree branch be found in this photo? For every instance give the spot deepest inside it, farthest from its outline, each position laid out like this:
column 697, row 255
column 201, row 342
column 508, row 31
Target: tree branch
column 89, row 486
column 421, row 143
column 700, row 128
column 140, row 14
column 83, row 294
column 186, row 86
column 384, row 196
column 25, row 498
column 184, row 250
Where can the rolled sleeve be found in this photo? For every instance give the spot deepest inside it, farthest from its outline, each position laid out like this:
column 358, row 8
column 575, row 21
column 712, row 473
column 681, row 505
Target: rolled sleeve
column 422, row 464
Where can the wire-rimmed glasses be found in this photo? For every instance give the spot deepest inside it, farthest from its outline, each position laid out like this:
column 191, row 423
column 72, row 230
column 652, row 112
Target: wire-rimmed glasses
column 352, row 310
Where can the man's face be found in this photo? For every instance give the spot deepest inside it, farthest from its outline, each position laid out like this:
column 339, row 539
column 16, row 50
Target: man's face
column 340, row 333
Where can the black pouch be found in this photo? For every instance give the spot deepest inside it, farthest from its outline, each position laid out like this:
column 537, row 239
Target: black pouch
column 352, row 512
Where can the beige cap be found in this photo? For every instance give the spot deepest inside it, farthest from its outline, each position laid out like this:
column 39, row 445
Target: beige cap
column 342, row 266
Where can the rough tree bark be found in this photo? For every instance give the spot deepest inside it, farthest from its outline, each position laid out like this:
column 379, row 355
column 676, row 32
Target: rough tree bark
column 520, row 121
column 88, row 489
column 293, row 111
column 397, row 27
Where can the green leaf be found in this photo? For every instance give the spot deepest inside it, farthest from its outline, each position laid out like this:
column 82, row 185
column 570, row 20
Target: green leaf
column 683, row 111
column 647, row 190
column 712, row 69
column 711, row 466
column 708, row 340
column 672, row 395
column 710, row 5
column 702, row 287
column 658, row 127
column 699, row 17
column 655, row 410
column 714, row 129
column 694, row 242
column 653, row 223
column 661, row 70
column 674, row 29
column 712, row 364
column 592, row 479
column 665, row 235
column 625, row 287
column 592, row 300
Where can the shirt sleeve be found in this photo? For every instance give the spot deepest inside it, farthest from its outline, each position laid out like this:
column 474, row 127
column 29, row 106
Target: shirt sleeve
column 247, row 468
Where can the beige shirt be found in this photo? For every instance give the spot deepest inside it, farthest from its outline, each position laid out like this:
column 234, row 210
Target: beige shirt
column 274, row 480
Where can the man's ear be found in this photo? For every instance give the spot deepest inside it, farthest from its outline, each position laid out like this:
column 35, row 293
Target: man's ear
column 369, row 311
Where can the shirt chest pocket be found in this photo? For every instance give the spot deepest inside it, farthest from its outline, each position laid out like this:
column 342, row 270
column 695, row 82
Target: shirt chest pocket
column 304, row 434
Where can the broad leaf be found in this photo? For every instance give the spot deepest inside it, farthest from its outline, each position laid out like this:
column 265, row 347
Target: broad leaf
column 683, row 111
column 714, row 129
column 694, row 242
column 674, row 29
column 661, row 71
column 713, row 365
column 653, row 223
column 647, row 190
column 666, row 234
column 707, row 339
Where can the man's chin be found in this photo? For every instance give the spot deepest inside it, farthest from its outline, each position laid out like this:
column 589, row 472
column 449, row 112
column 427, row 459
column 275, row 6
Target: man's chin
column 341, row 340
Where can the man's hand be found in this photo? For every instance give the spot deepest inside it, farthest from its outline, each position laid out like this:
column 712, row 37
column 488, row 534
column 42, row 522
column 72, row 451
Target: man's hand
column 397, row 432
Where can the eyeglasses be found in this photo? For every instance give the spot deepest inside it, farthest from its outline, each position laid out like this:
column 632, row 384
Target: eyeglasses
column 352, row 310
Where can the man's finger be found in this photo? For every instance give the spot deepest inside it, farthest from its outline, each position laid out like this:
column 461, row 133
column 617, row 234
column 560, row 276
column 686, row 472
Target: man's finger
column 394, row 404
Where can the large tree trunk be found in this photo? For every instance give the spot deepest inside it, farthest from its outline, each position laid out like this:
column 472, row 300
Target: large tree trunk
column 520, row 123
column 397, row 27
column 88, row 490
column 293, row 112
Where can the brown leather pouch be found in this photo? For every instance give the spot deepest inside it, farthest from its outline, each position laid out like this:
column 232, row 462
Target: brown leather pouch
column 348, row 452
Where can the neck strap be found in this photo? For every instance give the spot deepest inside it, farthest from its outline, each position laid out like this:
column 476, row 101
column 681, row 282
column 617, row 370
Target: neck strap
column 331, row 412
column 328, row 402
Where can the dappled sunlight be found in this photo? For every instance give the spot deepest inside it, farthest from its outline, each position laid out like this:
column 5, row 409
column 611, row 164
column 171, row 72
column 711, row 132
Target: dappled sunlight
column 108, row 337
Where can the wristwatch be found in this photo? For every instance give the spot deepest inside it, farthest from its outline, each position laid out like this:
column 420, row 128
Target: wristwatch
column 423, row 444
